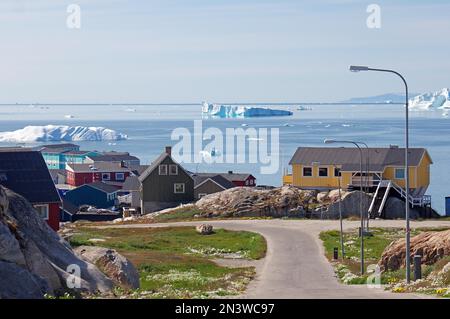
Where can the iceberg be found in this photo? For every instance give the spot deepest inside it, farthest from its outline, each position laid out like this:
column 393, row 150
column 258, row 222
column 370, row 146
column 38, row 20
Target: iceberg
column 234, row 111
column 433, row 100
column 52, row 133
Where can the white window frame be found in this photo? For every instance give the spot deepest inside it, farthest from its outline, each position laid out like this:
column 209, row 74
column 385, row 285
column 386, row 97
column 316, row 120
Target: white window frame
column 47, row 211
column 340, row 172
column 323, row 167
column 122, row 178
column 160, row 169
column 170, row 169
column 106, row 174
column 399, row 169
column 175, row 188
column 303, row 171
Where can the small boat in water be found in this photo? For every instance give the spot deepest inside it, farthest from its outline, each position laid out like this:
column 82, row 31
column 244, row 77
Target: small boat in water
column 303, row 108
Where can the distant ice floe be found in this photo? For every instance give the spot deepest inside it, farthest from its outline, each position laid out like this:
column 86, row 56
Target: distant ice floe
column 433, row 100
column 69, row 116
column 234, row 111
column 50, row 133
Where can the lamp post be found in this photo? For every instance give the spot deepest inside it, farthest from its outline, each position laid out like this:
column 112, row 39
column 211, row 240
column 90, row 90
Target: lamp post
column 356, row 68
column 330, row 141
column 367, row 177
column 340, row 213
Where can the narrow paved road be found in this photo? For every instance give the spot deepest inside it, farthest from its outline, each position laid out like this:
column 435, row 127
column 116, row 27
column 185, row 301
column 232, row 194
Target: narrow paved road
column 295, row 265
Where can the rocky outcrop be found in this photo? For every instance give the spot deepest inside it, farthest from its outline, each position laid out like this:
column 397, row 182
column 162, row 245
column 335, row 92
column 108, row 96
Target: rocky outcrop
column 35, row 258
column 350, row 204
column 432, row 246
column 248, row 201
column 395, row 209
column 111, row 263
column 204, row 229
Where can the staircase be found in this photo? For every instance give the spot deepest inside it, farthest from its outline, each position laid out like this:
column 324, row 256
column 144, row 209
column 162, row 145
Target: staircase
column 379, row 199
column 416, row 199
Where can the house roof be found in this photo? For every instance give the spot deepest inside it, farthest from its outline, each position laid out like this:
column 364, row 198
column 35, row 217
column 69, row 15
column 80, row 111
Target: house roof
column 53, row 150
column 131, row 184
column 77, row 152
column 138, row 169
column 156, row 163
column 232, row 177
column 113, row 158
column 217, row 179
column 100, row 167
column 69, row 207
column 55, row 172
column 25, row 172
column 106, row 188
column 62, row 145
column 349, row 158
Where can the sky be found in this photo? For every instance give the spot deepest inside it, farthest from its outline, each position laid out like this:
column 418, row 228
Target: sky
column 187, row 51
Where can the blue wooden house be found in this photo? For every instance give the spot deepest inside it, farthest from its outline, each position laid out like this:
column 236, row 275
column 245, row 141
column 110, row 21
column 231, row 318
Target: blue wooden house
column 97, row 194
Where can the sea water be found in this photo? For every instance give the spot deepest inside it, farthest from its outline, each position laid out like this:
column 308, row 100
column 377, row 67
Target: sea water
column 149, row 129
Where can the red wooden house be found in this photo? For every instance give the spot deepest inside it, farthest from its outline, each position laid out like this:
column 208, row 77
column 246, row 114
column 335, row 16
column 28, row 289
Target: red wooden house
column 25, row 172
column 111, row 173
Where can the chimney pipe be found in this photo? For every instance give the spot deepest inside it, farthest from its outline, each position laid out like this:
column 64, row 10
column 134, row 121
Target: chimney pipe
column 169, row 150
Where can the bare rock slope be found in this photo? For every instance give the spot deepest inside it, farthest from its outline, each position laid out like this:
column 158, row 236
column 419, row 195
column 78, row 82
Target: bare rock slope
column 432, row 246
column 34, row 260
column 248, row 201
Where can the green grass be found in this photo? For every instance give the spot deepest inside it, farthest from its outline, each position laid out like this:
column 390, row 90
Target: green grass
column 175, row 239
column 175, row 262
column 179, row 214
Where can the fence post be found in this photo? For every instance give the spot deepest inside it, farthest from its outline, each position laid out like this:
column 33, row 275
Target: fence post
column 417, row 267
column 336, row 253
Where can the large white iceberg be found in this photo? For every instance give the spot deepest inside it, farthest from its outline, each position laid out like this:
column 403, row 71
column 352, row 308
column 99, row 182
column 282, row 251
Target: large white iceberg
column 50, row 133
column 234, row 111
column 433, row 100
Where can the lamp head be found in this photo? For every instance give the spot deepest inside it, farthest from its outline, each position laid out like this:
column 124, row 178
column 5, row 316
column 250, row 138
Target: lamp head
column 358, row 68
column 329, row 141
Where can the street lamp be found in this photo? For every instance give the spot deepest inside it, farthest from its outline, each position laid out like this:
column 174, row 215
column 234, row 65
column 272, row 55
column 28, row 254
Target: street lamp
column 340, row 213
column 367, row 177
column 358, row 68
column 331, row 141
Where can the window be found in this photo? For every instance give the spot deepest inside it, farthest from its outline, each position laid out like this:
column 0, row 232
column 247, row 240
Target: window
column 337, row 172
column 307, row 171
column 173, row 169
column 3, row 177
column 42, row 211
column 106, row 176
column 120, row 176
column 162, row 169
column 201, row 195
column 323, row 171
column 251, row 182
column 178, row 188
column 246, row 182
column 399, row 173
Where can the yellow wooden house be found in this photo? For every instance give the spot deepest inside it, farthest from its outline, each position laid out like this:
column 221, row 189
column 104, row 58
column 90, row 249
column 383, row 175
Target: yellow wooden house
column 324, row 168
